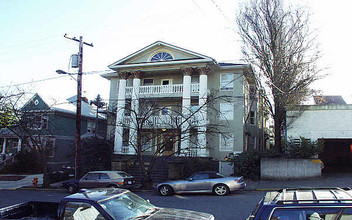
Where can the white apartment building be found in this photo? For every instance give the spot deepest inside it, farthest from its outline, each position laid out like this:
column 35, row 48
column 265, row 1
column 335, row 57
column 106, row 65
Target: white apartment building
column 219, row 98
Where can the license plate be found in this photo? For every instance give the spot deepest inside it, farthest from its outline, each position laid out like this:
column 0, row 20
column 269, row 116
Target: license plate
column 129, row 182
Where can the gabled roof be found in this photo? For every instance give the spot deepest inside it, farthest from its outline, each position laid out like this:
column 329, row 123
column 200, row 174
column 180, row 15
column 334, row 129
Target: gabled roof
column 189, row 55
column 35, row 103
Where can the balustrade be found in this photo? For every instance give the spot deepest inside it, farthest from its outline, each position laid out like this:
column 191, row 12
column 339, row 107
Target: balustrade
column 162, row 89
column 162, row 121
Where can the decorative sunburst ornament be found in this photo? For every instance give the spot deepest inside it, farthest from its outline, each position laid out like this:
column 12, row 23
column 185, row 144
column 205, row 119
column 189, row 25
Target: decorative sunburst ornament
column 161, row 56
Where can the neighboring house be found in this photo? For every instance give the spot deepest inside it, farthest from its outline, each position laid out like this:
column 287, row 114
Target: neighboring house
column 56, row 126
column 330, row 119
column 178, row 77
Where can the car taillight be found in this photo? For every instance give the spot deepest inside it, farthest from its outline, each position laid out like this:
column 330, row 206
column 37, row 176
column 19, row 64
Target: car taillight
column 120, row 183
column 236, row 181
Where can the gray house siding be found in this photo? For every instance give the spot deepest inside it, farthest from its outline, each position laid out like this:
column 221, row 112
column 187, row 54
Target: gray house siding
column 60, row 131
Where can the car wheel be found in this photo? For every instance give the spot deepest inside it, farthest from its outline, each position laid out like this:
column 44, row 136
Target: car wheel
column 221, row 190
column 165, row 190
column 72, row 189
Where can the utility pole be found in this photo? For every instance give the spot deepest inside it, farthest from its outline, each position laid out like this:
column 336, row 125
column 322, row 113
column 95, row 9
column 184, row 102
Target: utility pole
column 79, row 104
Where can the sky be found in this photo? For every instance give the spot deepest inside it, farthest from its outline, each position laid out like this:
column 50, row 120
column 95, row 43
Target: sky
column 32, row 46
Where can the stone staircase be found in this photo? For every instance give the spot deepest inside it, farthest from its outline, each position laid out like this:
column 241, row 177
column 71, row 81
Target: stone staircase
column 164, row 167
column 159, row 173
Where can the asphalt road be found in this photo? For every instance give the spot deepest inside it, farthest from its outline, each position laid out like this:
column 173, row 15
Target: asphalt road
column 234, row 206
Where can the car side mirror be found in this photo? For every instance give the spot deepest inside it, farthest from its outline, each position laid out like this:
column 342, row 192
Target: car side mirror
column 148, row 200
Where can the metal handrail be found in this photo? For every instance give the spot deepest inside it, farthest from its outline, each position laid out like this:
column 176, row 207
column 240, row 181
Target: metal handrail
column 7, row 160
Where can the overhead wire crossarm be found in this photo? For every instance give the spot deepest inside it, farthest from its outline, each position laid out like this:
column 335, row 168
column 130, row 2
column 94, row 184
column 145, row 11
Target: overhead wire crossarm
column 75, row 39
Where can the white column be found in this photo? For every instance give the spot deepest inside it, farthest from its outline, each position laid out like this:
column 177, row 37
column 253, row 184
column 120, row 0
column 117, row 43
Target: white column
column 120, row 113
column 3, row 146
column 186, row 105
column 19, row 146
column 203, row 119
column 134, row 113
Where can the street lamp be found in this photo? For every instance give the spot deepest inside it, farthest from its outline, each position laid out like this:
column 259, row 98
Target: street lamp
column 78, row 121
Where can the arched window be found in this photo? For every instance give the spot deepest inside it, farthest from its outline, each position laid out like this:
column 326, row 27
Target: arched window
column 161, row 56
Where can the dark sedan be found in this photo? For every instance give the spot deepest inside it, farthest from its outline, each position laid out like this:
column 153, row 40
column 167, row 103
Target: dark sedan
column 209, row 181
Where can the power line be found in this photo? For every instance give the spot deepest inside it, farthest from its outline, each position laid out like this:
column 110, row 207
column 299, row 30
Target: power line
column 221, row 11
column 56, row 77
column 30, row 41
column 35, row 81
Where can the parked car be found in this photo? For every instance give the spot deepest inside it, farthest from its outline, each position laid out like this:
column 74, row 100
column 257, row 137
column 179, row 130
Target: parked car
column 109, row 204
column 209, row 181
column 305, row 204
column 100, row 179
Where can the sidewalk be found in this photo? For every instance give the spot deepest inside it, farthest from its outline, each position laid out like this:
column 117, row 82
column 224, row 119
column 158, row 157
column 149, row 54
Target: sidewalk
column 27, row 181
column 328, row 180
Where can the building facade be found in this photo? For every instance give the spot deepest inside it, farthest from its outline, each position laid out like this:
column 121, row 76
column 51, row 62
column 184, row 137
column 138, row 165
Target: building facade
column 330, row 119
column 164, row 95
column 55, row 128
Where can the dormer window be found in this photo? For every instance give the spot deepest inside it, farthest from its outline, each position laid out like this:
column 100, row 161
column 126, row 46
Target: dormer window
column 161, row 56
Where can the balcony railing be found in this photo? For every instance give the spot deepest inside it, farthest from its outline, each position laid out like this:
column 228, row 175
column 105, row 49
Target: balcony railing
column 162, row 121
column 195, row 87
column 162, row 89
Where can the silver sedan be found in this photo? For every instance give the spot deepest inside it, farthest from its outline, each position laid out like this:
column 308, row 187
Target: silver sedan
column 202, row 182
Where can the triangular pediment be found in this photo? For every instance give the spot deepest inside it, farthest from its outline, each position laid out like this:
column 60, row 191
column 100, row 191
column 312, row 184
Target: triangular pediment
column 36, row 103
column 160, row 53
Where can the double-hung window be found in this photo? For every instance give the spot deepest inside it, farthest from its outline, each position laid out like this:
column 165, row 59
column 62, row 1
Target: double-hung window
column 226, row 81
column 226, row 111
column 226, row 142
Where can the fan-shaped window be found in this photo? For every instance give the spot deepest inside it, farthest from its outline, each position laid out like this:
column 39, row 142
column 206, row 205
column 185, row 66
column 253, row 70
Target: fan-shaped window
column 161, row 56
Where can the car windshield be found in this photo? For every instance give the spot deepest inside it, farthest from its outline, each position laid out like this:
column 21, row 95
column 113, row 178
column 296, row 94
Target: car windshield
column 220, row 175
column 123, row 174
column 127, row 206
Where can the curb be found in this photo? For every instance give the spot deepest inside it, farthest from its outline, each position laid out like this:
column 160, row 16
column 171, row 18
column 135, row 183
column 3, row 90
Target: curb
column 40, row 189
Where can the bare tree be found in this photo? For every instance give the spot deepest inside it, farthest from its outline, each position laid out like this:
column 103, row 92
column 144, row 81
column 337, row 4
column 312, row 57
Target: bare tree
column 98, row 102
column 158, row 130
column 7, row 101
column 29, row 126
column 279, row 44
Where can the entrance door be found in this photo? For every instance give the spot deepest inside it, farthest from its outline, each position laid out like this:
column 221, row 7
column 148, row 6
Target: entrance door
column 168, row 141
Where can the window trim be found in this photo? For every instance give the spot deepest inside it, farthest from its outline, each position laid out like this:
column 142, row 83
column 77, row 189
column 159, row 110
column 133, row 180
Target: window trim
column 225, row 88
column 223, row 115
column 147, row 145
column 42, row 122
column 91, row 127
column 162, row 80
column 232, row 135
column 53, row 149
column 145, row 79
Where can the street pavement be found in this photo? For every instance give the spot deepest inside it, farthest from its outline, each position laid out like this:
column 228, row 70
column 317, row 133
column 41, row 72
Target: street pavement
column 328, row 180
